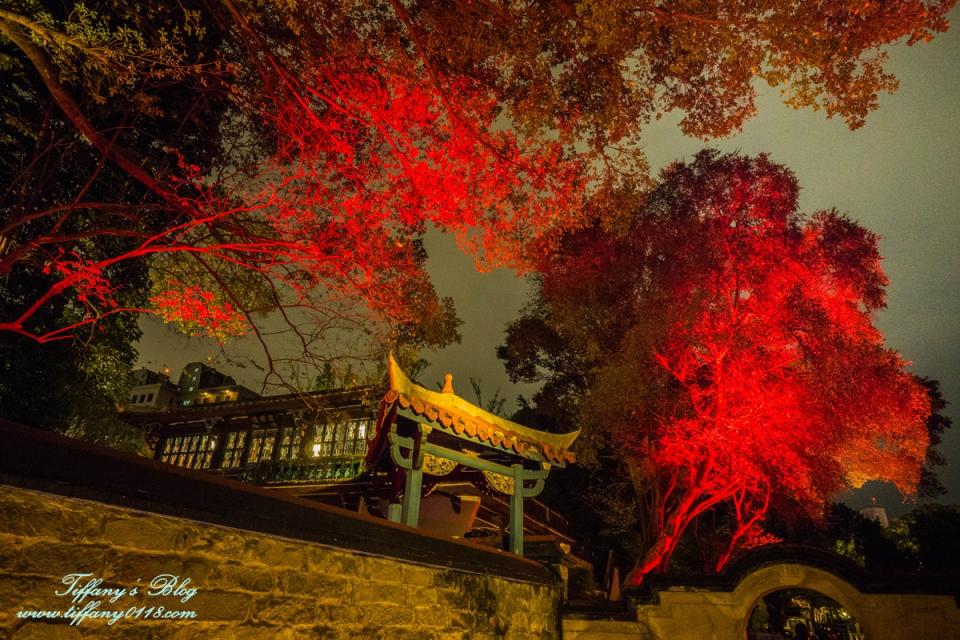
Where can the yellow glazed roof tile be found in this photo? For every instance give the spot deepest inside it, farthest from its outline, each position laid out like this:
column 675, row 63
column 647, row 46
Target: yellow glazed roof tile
column 453, row 413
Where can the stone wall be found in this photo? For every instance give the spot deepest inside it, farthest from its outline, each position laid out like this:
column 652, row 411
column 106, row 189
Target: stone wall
column 697, row 614
column 887, row 606
column 249, row 585
column 263, row 565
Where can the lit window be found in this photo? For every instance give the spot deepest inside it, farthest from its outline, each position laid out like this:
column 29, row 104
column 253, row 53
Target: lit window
column 290, row 441
column 209, row 445
column 193, row 451
column 261, row 445
column 233, row 452
column 323, row 440
column 347, row 438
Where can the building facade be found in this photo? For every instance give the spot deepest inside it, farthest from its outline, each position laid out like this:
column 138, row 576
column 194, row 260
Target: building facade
column 151, row 391
column 199, row 384
column 203, row 384
column 297, row 441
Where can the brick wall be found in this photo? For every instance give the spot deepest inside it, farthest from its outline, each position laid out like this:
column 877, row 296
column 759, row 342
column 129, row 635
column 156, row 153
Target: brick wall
column 249, row 585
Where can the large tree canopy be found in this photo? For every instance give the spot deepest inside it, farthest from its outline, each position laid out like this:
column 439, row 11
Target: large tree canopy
column 722, row 344
column 286, row 157
column 61, row 198
column 608, row 68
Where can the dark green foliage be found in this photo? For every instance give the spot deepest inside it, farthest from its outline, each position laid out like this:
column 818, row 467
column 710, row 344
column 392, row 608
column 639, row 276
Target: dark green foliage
column 60, row 197
column 928, row 536
column 930, row 486
column 923, row 540
column 72, row 386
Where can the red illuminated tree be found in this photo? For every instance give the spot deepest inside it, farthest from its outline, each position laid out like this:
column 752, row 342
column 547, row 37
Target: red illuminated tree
column 330, row 167
column 729, row 354
column 341, row 130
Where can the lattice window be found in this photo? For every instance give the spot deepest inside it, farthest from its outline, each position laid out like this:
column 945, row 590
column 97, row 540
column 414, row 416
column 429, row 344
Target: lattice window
column 193, row 451
column 339, row 439
column 291, row 438
column 233, row 452
column 323, row 440
column 261, row 445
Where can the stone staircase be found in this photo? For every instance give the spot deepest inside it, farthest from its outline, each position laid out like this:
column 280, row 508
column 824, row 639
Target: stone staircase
column 601, row 620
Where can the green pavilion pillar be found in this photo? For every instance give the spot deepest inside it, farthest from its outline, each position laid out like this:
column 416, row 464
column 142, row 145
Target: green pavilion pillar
column 410, row 515
column 516, row 511
column 407, row 453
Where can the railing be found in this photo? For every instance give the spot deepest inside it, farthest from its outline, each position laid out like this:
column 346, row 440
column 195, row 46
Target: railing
column 296, row 471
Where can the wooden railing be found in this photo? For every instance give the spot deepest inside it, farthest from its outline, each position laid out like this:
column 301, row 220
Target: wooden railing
column 299, row 471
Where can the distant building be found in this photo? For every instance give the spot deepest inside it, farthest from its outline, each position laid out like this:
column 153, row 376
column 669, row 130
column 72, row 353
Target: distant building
column 199, row 384
column 202, row 384
column 197, row 374
column 213, row 395
column 877, row 513
column 152, row 391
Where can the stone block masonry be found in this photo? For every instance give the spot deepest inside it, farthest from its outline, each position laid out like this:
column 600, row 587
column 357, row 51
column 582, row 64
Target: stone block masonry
column 887, row 607
column 249, row 583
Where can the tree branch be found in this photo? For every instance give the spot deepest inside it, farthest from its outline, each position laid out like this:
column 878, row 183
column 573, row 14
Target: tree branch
column 52, row 34
column 74, row 113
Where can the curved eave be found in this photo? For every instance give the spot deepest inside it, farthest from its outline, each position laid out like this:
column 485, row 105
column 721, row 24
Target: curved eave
column 460, row 417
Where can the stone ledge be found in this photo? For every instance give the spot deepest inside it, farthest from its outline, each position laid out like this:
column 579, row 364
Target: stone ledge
column 44, row 461
column 864, row 581
column 241, row 596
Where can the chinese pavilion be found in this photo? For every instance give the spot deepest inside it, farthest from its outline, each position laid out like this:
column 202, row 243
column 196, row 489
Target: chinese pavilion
column 434, row 434
column 429, row 459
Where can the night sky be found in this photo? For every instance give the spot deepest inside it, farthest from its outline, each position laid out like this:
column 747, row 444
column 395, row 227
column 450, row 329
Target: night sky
column 899, row 176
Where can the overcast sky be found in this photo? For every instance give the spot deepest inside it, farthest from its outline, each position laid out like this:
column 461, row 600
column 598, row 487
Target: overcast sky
column 899, row 176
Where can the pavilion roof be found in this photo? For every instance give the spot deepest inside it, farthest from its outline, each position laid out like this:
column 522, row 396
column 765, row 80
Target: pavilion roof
column 460, row 418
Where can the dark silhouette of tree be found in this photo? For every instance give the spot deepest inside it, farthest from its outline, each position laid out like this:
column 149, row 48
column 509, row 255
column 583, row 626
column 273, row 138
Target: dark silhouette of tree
column 928, row 537
column 937, row 423
column 63, row 199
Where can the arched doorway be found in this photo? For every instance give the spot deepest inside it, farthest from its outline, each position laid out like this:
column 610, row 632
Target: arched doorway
column 801, row 614
column 722, row 607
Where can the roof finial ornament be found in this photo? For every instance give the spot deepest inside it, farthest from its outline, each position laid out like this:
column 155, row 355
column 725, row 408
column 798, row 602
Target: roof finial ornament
column 447, row 383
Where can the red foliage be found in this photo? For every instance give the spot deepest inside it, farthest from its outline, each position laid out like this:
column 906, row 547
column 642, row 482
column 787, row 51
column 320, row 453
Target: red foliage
column 784, row 385
column 198, row 311
column 363, row 156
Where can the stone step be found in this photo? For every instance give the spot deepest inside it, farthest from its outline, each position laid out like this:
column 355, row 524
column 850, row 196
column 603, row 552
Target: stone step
column 581, row 629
